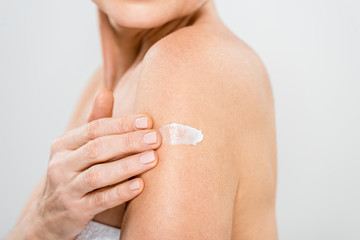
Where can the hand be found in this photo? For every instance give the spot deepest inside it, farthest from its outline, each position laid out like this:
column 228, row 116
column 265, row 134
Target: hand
column 89, row 169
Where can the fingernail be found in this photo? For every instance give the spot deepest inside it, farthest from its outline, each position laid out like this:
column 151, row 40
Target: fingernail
column 150, row 138
column 134, row 185
column 141, row 123
column 147, row 157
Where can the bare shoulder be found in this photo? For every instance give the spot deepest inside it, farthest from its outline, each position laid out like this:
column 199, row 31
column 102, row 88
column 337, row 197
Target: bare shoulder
column 210, row 81
column 212, row 61
column 212, row 76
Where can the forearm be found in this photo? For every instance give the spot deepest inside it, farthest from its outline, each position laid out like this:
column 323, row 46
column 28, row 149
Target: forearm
column 24, row 230
column 32, row 197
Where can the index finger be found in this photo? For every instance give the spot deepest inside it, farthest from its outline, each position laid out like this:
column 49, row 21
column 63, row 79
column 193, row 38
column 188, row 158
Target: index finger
column 77, row 137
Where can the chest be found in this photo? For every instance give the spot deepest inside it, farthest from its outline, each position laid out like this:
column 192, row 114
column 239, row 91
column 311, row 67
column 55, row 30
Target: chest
column 125, row 93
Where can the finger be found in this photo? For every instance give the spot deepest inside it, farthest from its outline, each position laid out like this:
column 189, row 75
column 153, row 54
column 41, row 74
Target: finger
column 113, row 147
column 103, row 105
column 107, row 198
column 75, row 138
column 106, row 174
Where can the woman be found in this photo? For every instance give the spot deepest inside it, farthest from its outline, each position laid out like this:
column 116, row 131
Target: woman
column 176, row 62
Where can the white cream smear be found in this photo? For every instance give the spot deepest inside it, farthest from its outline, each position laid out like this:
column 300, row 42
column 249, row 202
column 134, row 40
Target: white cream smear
column 175, row 134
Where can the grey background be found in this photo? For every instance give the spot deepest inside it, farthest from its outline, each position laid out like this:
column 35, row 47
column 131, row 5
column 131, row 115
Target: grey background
column 49, row 49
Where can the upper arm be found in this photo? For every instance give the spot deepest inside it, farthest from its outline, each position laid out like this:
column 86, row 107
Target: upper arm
column 190, row 193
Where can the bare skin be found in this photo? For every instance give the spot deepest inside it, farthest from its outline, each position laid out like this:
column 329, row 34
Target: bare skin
column 89, row 171
column 196, row 62
column 253, row 215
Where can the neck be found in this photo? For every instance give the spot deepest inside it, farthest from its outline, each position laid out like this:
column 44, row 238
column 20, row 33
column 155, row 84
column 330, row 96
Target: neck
column 125, row 47
column 138, row 41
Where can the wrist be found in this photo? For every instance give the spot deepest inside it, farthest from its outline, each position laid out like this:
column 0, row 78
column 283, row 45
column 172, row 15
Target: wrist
column 31, row 233
column 33, row 227
column 23, row 231
column 37, row 230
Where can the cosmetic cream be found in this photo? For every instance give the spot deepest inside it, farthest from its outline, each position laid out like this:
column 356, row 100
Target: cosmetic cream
column 176, row 134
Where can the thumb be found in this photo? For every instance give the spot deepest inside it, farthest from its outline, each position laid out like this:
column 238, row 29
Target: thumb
column 103, row 104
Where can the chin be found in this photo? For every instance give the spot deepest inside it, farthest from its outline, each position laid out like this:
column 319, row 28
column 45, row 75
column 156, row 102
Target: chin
column 146, row 14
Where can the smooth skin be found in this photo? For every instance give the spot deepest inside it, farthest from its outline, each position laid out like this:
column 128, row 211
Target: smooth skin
column 224, row 187
column 177, row 62
column 195, row 71
column 88, row 172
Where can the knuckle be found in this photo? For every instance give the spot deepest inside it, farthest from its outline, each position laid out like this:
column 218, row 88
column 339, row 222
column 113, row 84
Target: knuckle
column 56, row 144
column 100, row 198
column 128, row 141
column 80, row 211
column 87, row 214
column 52, row 170
column 92, row 129
column 127, row 166
column 93, row 148
column 120, row 193
column 93, row 177
column 123, row 125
